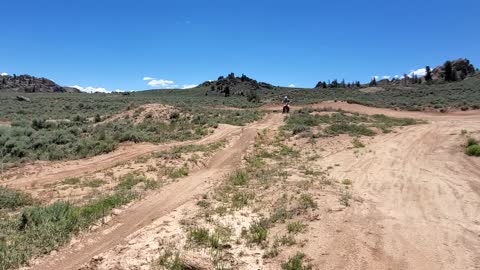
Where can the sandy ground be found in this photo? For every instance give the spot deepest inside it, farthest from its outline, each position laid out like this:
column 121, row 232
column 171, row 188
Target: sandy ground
column 419, row 193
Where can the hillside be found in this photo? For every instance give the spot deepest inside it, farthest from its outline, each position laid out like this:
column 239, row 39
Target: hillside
column 232, row 85
column 31, row 84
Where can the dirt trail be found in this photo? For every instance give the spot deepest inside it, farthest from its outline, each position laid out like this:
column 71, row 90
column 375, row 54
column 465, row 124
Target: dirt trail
column 41, row 173
column 474, row 114
column 158, row 204
column 422, row 191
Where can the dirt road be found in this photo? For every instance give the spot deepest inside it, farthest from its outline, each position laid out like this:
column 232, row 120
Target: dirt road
column 421, row 191
column 160, row 203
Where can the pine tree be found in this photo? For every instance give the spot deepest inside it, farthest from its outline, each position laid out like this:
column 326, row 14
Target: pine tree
column 428, row 75
column 448, row 71
column 227, row 91
column 373, row 82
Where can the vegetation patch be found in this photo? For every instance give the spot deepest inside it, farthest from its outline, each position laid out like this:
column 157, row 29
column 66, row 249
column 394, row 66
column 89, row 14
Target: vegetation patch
column 296, row 263
column 71, row 181
column 296, row 227
column 340, row 122
column 175, row 173
column 11, row 199
column 357, row 143
column 238, row 178
column 472, row 147
column 40, row 229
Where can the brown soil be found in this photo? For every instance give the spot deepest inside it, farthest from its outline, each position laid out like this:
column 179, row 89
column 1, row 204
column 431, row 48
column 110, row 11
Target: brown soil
column 153, row 111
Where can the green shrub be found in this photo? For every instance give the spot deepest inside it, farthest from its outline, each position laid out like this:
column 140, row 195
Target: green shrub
column 38, row 230
column 350, row 129
column 357, row 143
column 202, row 236
column 240, row 199
column 128, row 181
column 13, row 199
column 171, row 261
column 239, row 178
column 199, row 236
column 306, row 201
column 258, row 232
column 296, row 263
column 471, row 141
column 175, row 173
column 473, row 150
column 295, row 227
column 71, row 181
column 280, row 214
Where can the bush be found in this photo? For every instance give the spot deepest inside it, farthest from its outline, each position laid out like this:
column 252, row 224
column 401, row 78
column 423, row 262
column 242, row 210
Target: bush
column 306, row 201
column 12, row 199
column 40, row 229
column 350, row 129
column 296, row 263
column 473, row 150
column 240, row 199
column 258, row 232
column 295, row 227
column 175, row 173
column 239, row 178
column 471, row 141
column 357, row 143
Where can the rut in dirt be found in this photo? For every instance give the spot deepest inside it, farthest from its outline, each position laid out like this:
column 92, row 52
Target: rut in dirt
column 159, row 203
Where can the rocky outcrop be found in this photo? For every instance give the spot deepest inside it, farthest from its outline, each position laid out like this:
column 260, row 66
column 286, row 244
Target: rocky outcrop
column 232, row 85
column 461, row 68
column 31, row 84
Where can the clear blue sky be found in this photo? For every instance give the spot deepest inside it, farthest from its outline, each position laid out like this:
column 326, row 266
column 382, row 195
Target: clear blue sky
column 115, row 44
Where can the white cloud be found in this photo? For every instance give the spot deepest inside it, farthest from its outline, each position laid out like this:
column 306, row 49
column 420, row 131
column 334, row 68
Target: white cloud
column 162, row 83
column 386, row 77
column 188, row 86
column 376, row 77
column 91, row 89
column 159, row 83
column 291, row 85
column 4, row 74
column 419, row 72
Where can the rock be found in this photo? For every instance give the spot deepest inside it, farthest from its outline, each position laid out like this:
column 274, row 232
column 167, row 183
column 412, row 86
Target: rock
column 31, row 84
column 196, row 261
column 116, row 212
column 22, row 98
column 462, row 68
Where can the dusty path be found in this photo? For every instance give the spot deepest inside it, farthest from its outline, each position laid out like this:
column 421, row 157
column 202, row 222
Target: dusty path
column 388, row 112
column 158, row 204
column 41, row 173
column 421, row 191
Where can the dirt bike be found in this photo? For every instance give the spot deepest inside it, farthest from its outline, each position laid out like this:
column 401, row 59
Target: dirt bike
column 286, row 108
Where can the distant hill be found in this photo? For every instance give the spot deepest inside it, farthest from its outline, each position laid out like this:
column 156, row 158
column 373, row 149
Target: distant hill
column 460, row 69
column 232, row 85
column 31, row 84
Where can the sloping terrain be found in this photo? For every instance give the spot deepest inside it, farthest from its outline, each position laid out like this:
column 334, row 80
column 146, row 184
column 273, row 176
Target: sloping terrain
column 407, row 198
column 31, row 84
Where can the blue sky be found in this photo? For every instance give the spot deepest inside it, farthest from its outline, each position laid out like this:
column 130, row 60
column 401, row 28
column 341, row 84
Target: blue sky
column 115, row 44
